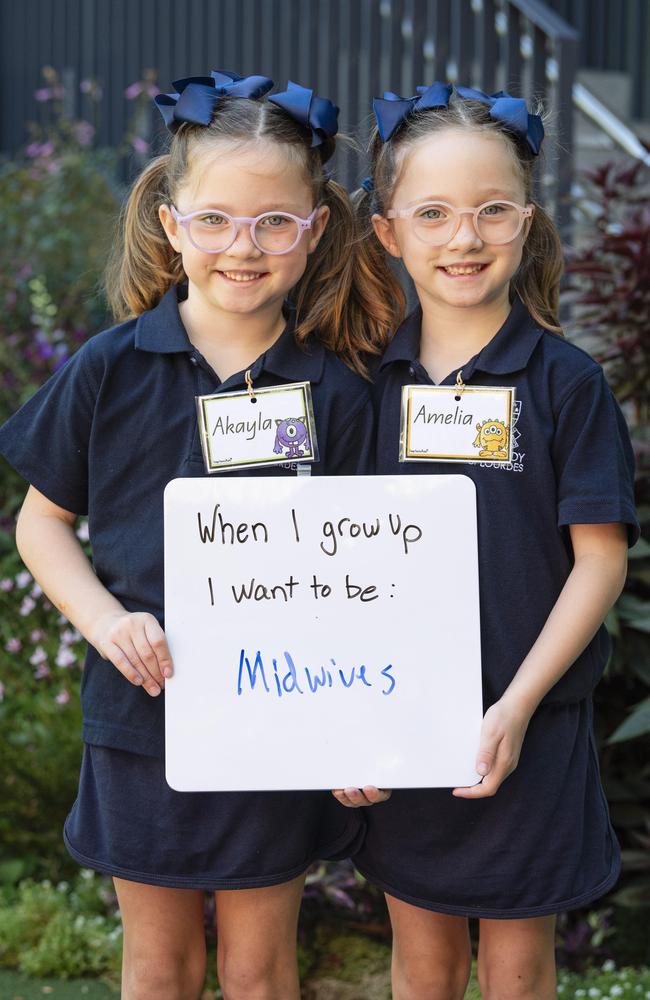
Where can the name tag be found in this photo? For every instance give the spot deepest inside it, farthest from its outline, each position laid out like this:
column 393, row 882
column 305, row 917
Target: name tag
column 448, row 424
column 251, row 428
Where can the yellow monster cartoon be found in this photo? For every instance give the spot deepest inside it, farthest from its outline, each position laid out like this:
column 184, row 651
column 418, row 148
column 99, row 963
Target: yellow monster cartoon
column 492, row 439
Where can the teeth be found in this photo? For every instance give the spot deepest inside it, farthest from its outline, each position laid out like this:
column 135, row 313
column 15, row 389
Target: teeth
column 238, row 276
column 463, row 270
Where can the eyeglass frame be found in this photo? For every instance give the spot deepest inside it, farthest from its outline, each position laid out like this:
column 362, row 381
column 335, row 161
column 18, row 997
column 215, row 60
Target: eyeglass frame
column 238, row 220
column 525, row 212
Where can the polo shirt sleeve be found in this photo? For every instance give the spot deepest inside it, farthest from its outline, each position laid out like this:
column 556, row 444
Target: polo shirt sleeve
column 593, row 458
column 47, row 439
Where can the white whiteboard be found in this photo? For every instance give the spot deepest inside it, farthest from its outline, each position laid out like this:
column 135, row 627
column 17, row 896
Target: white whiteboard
column 292, row 687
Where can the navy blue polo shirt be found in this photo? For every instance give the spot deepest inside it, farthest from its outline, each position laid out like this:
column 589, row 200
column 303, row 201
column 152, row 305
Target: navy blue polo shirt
column 111, row 428
column 572, row 464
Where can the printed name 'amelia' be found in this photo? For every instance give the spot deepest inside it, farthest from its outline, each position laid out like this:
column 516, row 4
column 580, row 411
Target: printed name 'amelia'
column 457, row 417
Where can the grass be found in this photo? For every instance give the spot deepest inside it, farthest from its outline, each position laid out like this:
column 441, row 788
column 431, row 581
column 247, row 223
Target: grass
column 16, row 986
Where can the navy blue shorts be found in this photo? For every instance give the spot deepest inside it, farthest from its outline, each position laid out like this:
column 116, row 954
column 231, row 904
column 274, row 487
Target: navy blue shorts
column 128, row 822
column 543, row 844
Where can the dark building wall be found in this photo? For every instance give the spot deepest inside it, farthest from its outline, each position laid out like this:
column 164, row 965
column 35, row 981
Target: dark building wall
column 614, row 35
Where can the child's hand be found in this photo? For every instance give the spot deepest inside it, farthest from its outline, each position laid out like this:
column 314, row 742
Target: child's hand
column 135, row 643
column 366, row 796
column 502, row 734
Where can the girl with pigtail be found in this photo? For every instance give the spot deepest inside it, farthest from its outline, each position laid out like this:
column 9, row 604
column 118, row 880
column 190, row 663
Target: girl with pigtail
column 235, row 267
column 451, row 196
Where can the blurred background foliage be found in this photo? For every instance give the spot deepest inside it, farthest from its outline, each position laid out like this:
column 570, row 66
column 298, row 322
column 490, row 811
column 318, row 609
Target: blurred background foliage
column 59, row 202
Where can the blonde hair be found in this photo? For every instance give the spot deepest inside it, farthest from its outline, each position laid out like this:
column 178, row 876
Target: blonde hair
column 537, row 280
column 338, row 298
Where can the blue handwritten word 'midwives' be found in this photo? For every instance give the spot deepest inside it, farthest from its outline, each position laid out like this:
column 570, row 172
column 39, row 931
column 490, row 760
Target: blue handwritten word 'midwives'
column 290, row 679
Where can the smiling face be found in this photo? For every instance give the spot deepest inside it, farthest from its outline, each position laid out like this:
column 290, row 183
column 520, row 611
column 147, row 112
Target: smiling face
column 464, row 169
column 244, row 180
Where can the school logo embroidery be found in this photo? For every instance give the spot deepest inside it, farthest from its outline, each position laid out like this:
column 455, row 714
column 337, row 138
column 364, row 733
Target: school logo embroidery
column 293, row 435
column 492, row 439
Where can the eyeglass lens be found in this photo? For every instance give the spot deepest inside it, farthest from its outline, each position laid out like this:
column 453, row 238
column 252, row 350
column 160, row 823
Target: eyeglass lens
column 274, row 233
column 497, row 222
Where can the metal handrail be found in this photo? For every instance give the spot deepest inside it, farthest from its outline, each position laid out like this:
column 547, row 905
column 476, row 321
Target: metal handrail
column 606, row 120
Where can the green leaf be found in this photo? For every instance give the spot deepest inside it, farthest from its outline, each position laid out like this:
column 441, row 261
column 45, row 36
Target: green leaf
column 636, row 724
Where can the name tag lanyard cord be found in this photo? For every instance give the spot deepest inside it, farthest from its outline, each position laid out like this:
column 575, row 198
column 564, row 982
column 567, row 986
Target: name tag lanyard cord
column 249, row 386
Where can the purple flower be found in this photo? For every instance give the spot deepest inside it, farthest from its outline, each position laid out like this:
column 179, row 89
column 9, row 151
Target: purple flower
column 86, row 86
column 27, row 606
column 82, row 532
column 23, row 578
column 6, row 584
column 133, row 91
column 13, row 645
column 70, row 636
column 36, row 635
column 153, row 90
column 42, row 671
column 38, row 656
column 140, row 145
column 43, row 94
column 65, row 658
column 47, row 148
column 84, row 133
column 37, row 590
column 62, row 697
column 33, row 150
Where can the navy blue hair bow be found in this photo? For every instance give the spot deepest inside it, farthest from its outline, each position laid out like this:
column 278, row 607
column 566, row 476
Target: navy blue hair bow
column 391, row 110
column 315, row 113
column 512, row 112
column 196, row 96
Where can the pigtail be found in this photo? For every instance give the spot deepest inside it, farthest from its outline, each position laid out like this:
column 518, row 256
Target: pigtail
column 537, row 281
column 351, row 306
column 142, row 265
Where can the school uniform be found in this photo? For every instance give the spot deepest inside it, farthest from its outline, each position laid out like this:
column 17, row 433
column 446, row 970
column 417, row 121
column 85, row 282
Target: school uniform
column 104, row 437
column 544, row 842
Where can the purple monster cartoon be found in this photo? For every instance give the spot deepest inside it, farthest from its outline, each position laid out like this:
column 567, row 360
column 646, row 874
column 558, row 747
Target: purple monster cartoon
column 293, row 435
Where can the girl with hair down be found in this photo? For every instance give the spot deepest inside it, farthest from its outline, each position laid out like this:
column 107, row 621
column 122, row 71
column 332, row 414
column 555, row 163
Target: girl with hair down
column 235, row 266
column 453, row 199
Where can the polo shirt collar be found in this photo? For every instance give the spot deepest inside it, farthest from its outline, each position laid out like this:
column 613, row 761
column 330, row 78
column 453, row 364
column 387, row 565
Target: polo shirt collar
column 161, row 331
column 509, row 350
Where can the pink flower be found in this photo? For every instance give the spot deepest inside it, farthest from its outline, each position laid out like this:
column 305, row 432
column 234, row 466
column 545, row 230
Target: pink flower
column 27, row 606
column 23, row 578
column 6, row 584
column 42, row 671
column 36, row 635
column 69, row 636
column 65, row 658
column 38, row 656
column 62, row 697
column 140, row 145
column 133, row 91
column 13, row 645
